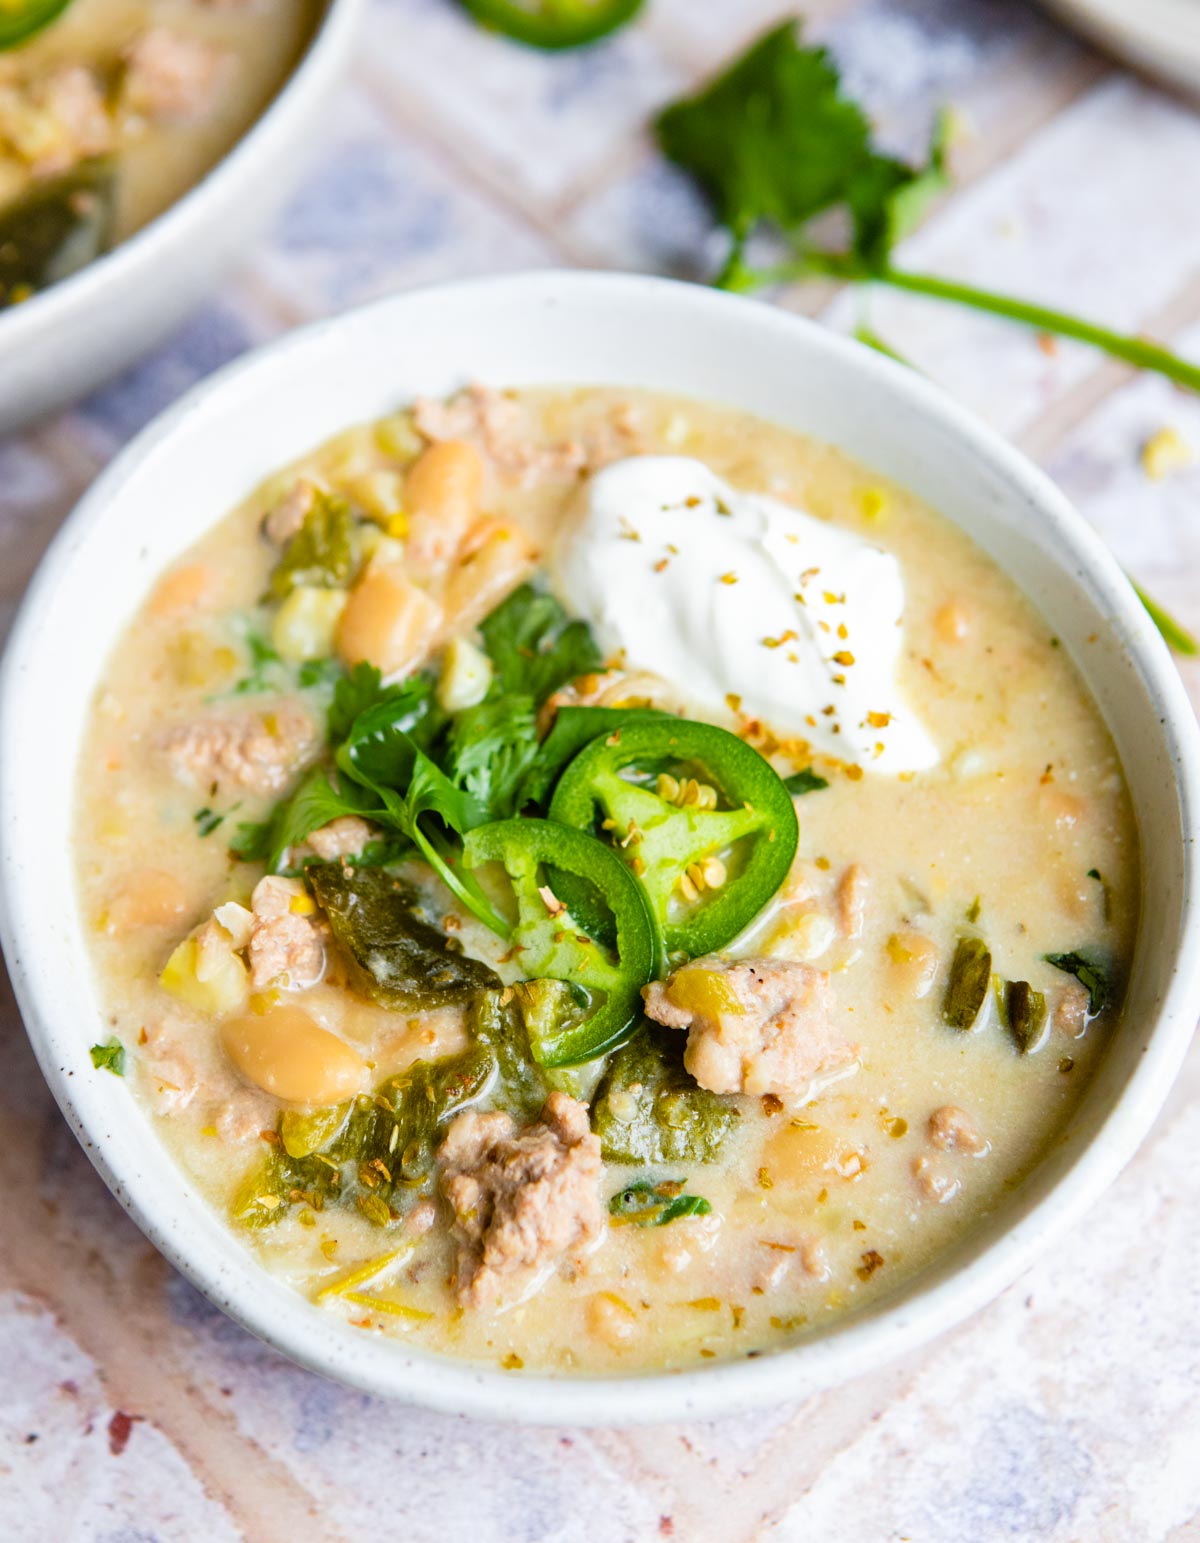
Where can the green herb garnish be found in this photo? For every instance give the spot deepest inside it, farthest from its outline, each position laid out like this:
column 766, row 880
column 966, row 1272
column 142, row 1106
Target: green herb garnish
column 319, row 672
column 265, row 664
column 647, row 1203
column 805, row 781
column 1090, row 973
column 110, row 1056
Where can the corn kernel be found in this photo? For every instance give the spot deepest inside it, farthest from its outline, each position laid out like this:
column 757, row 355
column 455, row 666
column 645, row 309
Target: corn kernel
column 1165, row 452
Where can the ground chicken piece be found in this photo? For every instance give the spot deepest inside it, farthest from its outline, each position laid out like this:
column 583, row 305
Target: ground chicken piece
column 168, row 75
column 765, row 1026
column 167, row 1067
column 814, row 1260
column 286, row 946
column 617, row 437
column 1071, row 1011
column 343, row 837
column 245, row 1115
column 933, row 1182
column 421, row 1219
column 282, row 523
column 54, row 122
column 501, row 427
column 257, row 752
column 953, row 1130
column 523, row 1199
column 852, row 896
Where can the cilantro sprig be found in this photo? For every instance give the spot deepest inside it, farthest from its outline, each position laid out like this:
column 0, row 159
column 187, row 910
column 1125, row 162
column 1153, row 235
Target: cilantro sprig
column 426, row 778
column 775, row 143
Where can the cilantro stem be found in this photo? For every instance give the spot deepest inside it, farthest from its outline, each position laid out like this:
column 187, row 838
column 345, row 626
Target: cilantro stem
column 1140, row 352
column 867, row 334
column 1176, row 636
column 469, row 893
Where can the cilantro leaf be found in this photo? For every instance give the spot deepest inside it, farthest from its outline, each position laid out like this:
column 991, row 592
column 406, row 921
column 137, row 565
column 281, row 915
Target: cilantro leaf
column 319, row 672
column 1090, row 972
column 362, row 689
column 804, row 781
column 534, row 647
column 773, row 140
column 647, row 1203
column 110, row 1056
column 490, row 749
column 315, row 802
column 265, row 665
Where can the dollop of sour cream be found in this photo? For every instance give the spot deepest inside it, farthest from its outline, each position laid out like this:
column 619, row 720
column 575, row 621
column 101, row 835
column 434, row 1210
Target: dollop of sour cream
column 745, row 603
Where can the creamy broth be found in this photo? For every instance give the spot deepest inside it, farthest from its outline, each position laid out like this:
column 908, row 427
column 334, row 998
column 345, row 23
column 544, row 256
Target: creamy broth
column 819, row 1203
column 116, row 109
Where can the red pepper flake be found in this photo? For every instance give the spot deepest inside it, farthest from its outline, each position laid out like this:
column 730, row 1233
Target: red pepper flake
column 872, row 1260
column 120, row 1428
column 772, row 1104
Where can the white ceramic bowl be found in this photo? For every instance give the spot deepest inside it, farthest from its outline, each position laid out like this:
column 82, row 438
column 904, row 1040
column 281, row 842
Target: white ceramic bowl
column 68, row 339
column 207, row 452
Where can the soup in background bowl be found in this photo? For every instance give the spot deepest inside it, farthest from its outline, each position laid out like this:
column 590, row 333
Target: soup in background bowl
column 115, row 109
column 143, row 144
column 588, row 881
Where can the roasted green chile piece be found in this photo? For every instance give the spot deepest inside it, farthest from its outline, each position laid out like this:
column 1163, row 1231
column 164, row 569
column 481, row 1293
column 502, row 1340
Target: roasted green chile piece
column 392, row 955
column 507, row 1021
column 551, row 944
column 554, row 24
column 55, row 228
column 969, row 984
column 324, row 552
column 1025, row 1015
column 648, row 1109
column 661, row 840
column 360, row 1153
column 495, row 1021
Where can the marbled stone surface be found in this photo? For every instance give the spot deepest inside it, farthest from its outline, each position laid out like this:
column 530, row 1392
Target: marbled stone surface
column 133, row 1412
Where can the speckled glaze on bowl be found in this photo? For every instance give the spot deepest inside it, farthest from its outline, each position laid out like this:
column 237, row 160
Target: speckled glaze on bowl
column 207, row 452
column 73, row 336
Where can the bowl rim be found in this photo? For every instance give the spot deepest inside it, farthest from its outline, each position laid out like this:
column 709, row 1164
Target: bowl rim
column 857, row 1343
column 151, row 244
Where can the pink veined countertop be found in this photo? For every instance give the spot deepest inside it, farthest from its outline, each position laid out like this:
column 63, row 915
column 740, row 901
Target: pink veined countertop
column 1070, row 1409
